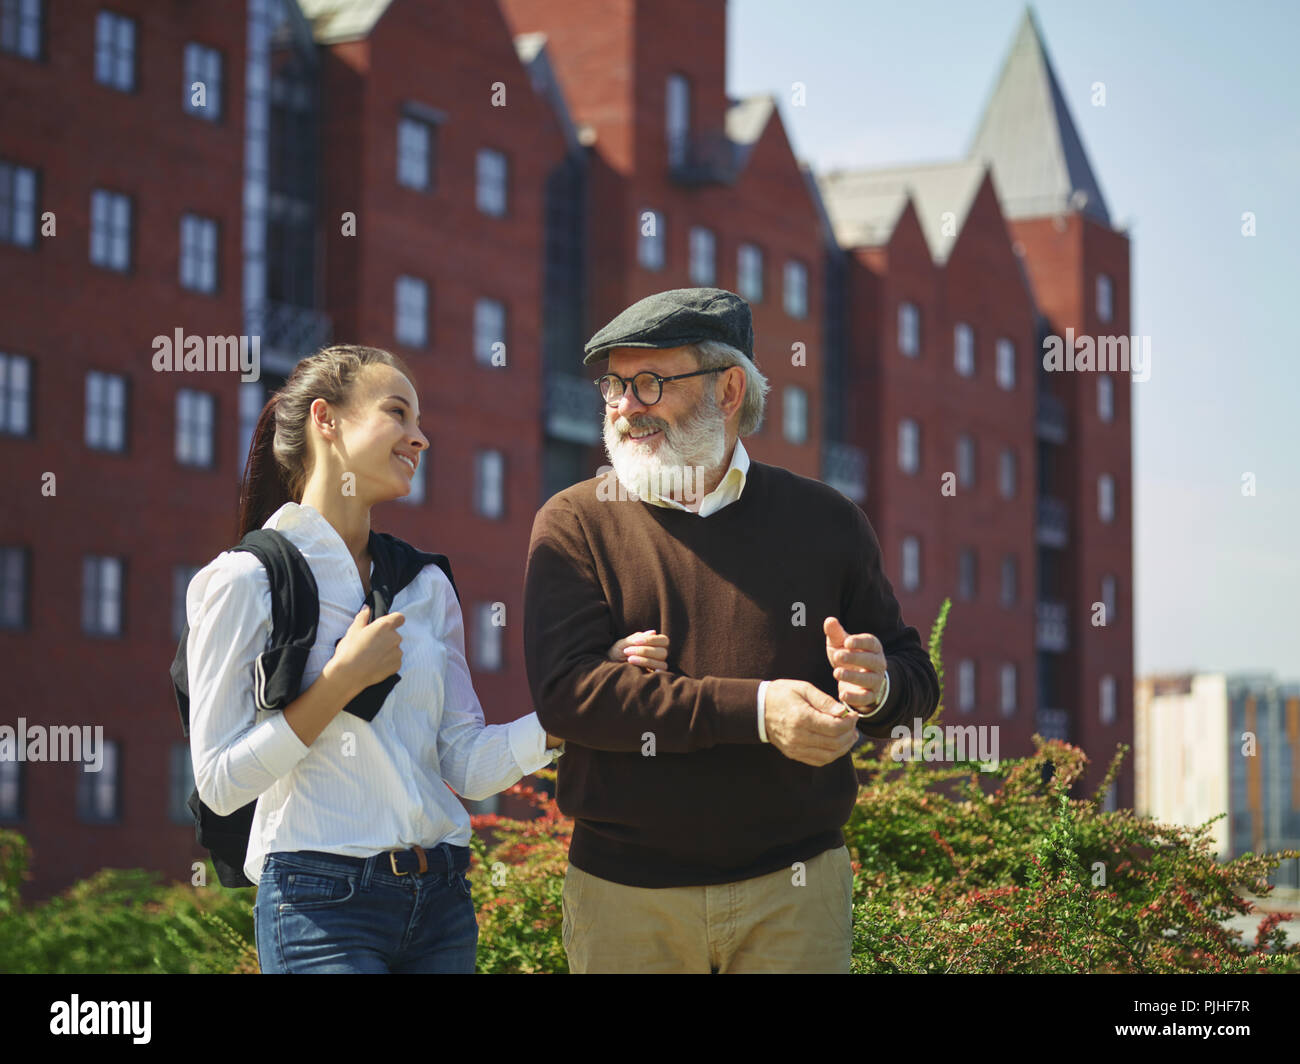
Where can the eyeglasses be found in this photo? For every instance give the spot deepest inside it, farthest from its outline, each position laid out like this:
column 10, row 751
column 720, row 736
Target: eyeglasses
column 646, row 386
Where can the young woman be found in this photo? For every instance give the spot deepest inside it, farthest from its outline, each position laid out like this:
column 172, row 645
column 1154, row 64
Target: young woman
column 358, row 846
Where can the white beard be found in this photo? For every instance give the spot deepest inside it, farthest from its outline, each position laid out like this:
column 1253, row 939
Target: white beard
column 685, row 458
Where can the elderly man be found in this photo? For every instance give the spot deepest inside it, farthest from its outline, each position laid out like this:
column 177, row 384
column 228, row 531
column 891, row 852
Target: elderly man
column 708, row 797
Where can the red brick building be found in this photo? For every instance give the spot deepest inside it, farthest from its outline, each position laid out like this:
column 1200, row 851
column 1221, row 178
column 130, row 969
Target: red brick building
column 480, row 187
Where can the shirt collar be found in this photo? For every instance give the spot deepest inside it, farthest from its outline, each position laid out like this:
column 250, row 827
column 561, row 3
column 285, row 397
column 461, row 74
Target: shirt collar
column 728, row 490
column 309, row 529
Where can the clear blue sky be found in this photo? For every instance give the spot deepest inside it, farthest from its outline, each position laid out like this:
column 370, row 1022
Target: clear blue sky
column 1201, row 123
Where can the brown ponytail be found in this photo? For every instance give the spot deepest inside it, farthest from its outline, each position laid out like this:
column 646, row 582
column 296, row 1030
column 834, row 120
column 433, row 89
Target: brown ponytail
column 279, row 457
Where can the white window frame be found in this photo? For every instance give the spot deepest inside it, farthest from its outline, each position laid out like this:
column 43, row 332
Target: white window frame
column 1009, row 593
column 13, row 588
column 115, row 37
column 704, row 256
column 414, row 153
column 749, row 272
column 20, row 28
column 968, row 573
column 966, row 460
column 99, row 794
column 1109, row 589
column 966, row 685
column 795, row 289
column 1106, row 398
column 650, row 250
column 963, row 349
column 110, row 230
column 1008, row 468
column 1007, row 677
column 909, row 329
column 15, row 395
column 490, row 484
column 489, row 644
column 1006, row 359
column 794, row 414
column 1106, row 497
column 411, row 311
column 1105, row 298
column 198, row 258
column 101, row 595
column 1106, row 689
column 492, row 182
column 195, row 427
column 489, row 328
column 106, row 411
column 911, row 570
column 17, row 204
column 909, row 446
column 203, row 64
column 677, row 118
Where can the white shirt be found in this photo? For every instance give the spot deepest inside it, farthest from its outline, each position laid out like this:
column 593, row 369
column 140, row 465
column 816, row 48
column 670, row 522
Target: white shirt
column 361, row 787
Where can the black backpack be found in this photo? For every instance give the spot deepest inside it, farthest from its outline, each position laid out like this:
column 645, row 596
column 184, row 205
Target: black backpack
column 295, row 610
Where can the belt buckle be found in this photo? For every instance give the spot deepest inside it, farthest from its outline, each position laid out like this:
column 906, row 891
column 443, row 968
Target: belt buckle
column 392, row 860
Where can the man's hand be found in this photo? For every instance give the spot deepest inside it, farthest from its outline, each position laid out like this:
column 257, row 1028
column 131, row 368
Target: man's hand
column 859, row 664
column 801, row 722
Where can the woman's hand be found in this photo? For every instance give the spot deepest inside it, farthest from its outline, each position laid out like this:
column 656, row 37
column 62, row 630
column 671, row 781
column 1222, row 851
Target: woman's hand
column 369, row 651
column 647, row 649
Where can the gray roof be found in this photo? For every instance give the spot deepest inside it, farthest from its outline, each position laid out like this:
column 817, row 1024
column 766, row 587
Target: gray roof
column 1026, row 133
column 865, row 205
column 746, row 120
column 333, row 21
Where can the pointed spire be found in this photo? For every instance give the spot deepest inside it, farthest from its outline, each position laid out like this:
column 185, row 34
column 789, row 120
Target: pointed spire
column 1026, row 133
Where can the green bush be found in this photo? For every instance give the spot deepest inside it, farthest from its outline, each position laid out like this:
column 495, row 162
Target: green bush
column 955, row 870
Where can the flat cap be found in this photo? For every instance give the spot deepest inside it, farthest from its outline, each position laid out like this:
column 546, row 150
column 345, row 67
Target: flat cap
column 675, row 318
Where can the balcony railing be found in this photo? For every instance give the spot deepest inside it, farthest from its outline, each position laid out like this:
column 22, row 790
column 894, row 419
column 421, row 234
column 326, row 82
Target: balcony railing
column 844, row 467
column 1051, row 419
column 1052, row 723
column 1053, row 522
column 572, row 409
column 286, row 329
column 700, row 158
column 1052, row 629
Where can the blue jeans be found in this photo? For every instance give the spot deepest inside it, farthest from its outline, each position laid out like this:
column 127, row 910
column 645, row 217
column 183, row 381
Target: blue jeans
column 319, row 912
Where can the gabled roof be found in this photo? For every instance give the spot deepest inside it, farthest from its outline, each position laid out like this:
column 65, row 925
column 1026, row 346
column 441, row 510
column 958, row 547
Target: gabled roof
column 333, row 21
column 536, row 58
column 746, row 120
column 1027, row 134
column 865, row 205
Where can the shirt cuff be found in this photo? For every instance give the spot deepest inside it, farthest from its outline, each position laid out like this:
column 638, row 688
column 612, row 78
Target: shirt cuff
column 528, row 744
column 276, row 745
column 762, row 727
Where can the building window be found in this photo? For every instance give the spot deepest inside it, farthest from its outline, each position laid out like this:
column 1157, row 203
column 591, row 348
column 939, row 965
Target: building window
column 911, row 563
column 202, row 68
column 909, row 446
column 110, row 230
column 115, row 51
column 198, row 253
column 194, row 427
column 489, row 484
column 1108, row 597
column 909, row 329
column 1006, row 356
column 489, row 329
column 20, row 28
column 181, row 577
column 963, row 349
column 181, row 779
column 794, row 410
column 965, row 461
column 98, row 792
column 416, row 495
column 650, row 239
column 412, row 324
column 17, row 204
column 1008, row 686
column 13, row 587
column 704, row 258
column 491, row 182
column 15, row 395
column 966, row 685
column 1105, row 398
column 487, row 638
column 967, row 563
column 1105, row 308
column 1007, row 474
column 105, row 411
column 11, row 789
column 1106, row 497
column 1106, row 695
column 415, row 154
column 678, row 119
column 1010, row 580
column 796, row 289
column 749, row 270
column 101, row 595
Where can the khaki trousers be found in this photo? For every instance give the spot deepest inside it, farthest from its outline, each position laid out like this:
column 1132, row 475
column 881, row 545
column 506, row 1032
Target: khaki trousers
column 796, row 919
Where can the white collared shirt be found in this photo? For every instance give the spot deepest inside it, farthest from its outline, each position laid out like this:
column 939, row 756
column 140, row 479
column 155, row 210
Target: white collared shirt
column 361, row 787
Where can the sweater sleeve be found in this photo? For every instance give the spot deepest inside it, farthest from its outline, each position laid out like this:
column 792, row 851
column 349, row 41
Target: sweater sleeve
column 583, row 697
column 871, row 607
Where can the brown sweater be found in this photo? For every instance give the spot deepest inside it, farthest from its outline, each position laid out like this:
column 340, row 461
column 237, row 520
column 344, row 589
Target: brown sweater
column 713, row 804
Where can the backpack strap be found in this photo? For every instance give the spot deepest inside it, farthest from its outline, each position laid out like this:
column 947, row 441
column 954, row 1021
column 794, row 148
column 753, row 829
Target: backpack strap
column 295, row 612
column 397, row 563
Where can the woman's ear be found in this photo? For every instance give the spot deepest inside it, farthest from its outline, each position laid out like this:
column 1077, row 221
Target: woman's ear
column 322, row 417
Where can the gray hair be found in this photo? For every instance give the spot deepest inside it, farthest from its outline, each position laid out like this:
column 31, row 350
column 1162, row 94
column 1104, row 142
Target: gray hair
column 714, row 354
